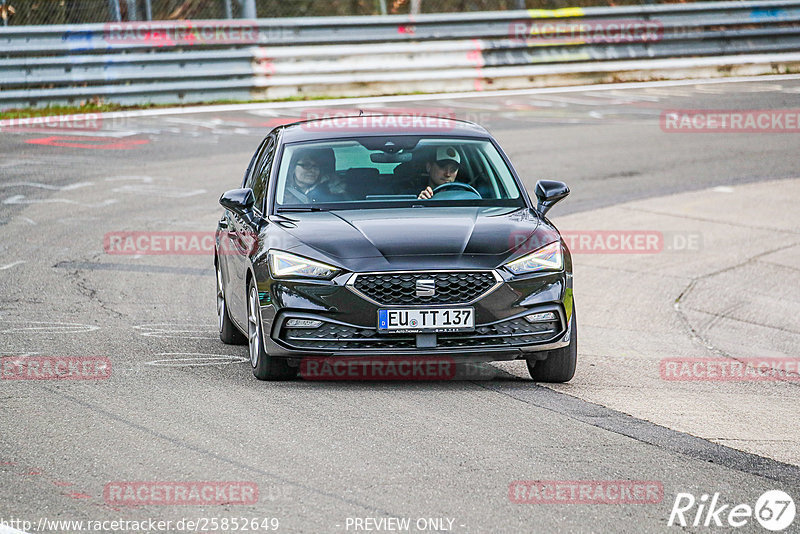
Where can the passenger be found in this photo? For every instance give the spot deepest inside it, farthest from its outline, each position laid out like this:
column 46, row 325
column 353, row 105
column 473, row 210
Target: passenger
column 442, row 169
column 312, row 177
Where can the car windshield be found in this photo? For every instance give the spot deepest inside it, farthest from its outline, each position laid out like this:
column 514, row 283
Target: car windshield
column 392, row 172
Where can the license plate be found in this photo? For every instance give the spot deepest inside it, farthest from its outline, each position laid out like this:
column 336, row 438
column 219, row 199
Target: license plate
column 426, row 320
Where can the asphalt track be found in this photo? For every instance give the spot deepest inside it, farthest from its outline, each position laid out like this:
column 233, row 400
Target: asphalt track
column 180, row 406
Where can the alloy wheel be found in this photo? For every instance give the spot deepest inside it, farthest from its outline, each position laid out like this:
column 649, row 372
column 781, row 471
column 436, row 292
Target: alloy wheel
column 254, row 326
column 220, row 300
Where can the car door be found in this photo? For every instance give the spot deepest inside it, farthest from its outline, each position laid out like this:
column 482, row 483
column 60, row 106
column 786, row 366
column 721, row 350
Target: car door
column 227, row 252
column 244, row 230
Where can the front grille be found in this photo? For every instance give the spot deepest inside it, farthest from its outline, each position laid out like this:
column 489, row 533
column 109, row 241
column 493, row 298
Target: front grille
column 508, row 333
column 338, row 337
column 329, row 336
column 401, row 288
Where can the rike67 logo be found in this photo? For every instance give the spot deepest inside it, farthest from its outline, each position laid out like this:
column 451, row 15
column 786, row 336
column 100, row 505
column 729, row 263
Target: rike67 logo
column 774, row 510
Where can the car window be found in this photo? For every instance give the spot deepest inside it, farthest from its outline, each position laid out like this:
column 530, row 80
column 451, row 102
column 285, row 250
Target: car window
column 394, row 170
column 249, row 174
column 261, row 174
column 356, row 157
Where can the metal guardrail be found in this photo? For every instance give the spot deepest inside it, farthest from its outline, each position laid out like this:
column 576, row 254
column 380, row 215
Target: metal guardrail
column 195, row 61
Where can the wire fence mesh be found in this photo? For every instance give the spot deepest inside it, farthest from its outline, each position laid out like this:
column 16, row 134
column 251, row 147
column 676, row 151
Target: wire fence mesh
column 40, row 12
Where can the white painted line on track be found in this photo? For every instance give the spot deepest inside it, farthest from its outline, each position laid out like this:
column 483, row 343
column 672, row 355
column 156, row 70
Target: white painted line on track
column 41, row 327
column 192, row 359
column 177, row 330
column 592, row 101
column 263, row 106
column 143, row 179
column 10, row 265
column 48, row 186
column 158, row 191
column 627, row 97
column 20, row 199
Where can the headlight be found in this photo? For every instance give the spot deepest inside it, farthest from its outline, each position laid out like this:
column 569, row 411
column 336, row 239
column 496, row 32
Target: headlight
column 547, row 258
column 284, row 265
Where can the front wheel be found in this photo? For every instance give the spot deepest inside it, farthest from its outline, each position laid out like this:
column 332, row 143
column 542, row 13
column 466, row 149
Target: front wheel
column 264, row 366
column 560, row 363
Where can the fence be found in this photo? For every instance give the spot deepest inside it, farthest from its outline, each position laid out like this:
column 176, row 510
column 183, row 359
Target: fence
column 194, row 61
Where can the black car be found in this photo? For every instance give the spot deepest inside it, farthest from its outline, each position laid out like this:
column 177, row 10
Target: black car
column 332, row 248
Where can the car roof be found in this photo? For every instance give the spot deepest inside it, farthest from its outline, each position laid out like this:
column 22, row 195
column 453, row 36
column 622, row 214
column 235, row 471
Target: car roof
column 379, row 125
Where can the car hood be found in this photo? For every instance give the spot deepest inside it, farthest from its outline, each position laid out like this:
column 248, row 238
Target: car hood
column 399, row 233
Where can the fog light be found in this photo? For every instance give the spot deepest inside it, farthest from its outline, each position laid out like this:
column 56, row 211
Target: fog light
column 303, row 323
column 540, row 317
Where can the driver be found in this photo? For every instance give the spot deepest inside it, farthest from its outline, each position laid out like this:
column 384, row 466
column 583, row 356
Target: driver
column 443, row 169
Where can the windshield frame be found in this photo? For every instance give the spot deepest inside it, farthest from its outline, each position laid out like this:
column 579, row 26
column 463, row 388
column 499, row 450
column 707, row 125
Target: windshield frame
column 274, row 208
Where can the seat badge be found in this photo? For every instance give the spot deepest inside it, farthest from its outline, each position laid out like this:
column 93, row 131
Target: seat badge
column 426, row 288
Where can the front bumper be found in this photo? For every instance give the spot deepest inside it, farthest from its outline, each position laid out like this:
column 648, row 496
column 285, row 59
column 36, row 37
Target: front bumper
column 350, row 321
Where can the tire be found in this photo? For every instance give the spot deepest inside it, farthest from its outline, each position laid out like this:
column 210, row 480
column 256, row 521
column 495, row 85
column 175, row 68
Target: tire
column 264, row 366
column 559, row 366
column 228, row 333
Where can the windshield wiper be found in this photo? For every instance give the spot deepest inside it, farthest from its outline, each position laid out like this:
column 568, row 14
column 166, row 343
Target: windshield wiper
column 300, row 209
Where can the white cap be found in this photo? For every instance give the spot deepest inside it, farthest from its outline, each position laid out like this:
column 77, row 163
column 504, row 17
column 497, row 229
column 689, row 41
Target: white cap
column 447, row 153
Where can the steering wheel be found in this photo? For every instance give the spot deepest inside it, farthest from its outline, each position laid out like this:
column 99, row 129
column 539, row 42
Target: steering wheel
column 456, row 185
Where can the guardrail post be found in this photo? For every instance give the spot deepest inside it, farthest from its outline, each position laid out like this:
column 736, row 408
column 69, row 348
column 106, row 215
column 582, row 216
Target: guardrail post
column 113, row 7
column 382, row 6
column 228, row 9
column 148, row 10
column 248, row 9
column 132, row 10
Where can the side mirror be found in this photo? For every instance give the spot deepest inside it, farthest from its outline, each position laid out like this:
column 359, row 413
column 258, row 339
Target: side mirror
column 548, row 192
column 240, row 201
